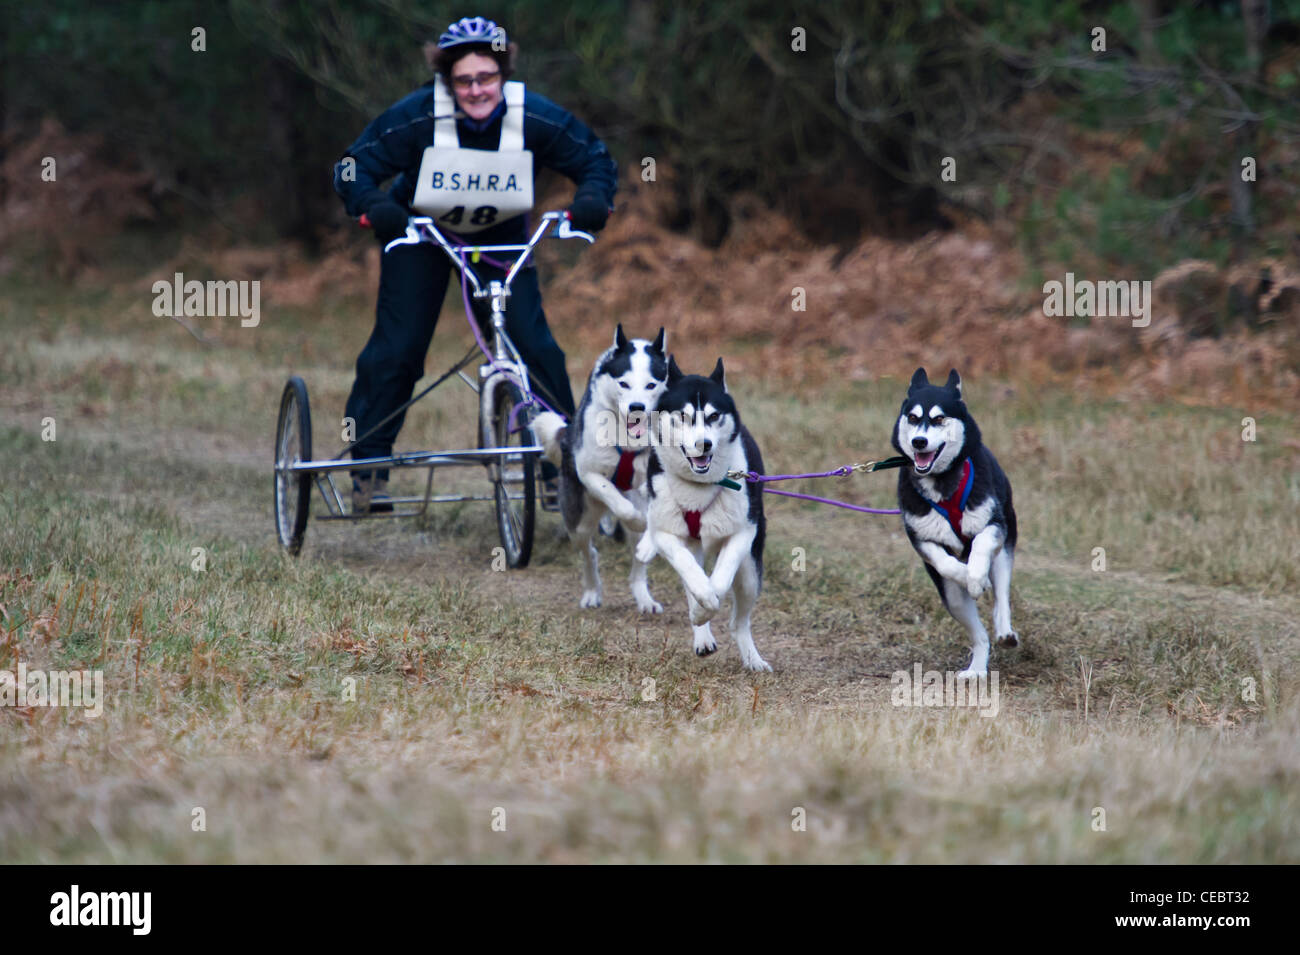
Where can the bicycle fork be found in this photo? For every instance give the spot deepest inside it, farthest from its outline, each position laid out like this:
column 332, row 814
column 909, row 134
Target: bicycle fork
column 506, row 365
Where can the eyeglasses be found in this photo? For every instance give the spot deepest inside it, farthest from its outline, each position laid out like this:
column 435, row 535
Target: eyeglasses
column 482, row 79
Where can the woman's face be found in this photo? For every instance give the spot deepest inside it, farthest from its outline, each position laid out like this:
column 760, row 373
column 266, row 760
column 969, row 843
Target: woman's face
column 476, row 83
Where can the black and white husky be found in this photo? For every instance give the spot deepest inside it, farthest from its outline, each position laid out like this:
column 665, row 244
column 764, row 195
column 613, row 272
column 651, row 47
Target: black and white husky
column 695, row 511
column 957, row 512
column 602, row 454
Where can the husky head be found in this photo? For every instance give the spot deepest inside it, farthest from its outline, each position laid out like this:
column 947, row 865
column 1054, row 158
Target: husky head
column 695, row 420
column 629, row 378
column 934, row 428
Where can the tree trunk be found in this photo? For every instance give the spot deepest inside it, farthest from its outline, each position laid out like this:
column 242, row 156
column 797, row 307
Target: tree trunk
column 5, row 60
column 1255, row 19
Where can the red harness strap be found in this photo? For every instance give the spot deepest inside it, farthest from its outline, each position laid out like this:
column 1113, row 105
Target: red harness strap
column 693, row 517
column 954, row 507
column 626, row 469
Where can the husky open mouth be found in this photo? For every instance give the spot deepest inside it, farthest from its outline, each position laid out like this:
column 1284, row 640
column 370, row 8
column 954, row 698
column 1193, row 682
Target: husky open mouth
column 636, row 422
column 924, row 460
column 700, row 463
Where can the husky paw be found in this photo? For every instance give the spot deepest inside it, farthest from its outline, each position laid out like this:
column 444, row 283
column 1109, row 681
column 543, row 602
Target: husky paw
column 705, row 644
column 700, row 614
column 632, row 518
column 645, row 549
column 1009, row 639
column 590, row 598
column 704, row 594
column 757, row 664
column 972, row 673
column 977, row 583
column 648, row 604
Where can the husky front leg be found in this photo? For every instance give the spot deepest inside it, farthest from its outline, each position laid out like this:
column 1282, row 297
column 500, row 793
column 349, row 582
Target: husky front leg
column 983, row 549
column 702, row 634
column 963, row 607
column 583, row 535
column 744, row 596
column 1000, row 572
column 688, row 568
column 702, row 640
column 646, row 550
column 640, row 588
column 733, row 553
column 603, row 489
column 948, row 566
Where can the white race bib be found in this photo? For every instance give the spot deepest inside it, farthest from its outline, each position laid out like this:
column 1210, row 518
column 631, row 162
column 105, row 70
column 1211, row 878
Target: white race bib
column 469, row 190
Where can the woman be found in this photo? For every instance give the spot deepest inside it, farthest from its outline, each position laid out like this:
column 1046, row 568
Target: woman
column 492, row 132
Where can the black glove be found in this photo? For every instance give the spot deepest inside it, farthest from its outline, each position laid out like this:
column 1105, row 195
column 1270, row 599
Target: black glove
column 388, row 219
column 588, row 213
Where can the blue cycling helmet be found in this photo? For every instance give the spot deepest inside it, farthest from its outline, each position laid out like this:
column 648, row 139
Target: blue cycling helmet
column 472, row 30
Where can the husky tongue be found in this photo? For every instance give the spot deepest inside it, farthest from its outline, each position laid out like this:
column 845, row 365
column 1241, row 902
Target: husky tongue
column 925, row 458
column 635, row 426
column 702, row 461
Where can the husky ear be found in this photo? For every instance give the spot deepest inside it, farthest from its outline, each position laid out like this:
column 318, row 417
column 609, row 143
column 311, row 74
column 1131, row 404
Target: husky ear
column 674, row 373
column 919, row 380
column 658, row 343
column 620, row 340
column 719, row 375
column 954, row 382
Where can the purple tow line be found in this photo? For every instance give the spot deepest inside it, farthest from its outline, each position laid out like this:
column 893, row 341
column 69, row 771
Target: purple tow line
column 755, row 478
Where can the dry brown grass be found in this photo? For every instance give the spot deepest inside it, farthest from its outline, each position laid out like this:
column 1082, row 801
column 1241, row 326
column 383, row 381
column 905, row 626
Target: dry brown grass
column 478, row 690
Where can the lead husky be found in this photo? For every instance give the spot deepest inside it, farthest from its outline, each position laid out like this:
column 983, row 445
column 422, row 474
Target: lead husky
column 598, row 474
column 957, row 512
column 693, row 514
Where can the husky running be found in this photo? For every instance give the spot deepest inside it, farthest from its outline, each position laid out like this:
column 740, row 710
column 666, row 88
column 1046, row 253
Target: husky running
column 695, row 511
column 603, row 453
column 956, row 506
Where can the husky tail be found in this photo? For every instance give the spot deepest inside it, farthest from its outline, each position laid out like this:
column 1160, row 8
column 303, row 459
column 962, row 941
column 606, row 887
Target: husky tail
column 550, row 430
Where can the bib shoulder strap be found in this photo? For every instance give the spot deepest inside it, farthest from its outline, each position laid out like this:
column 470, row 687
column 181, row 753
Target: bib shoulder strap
column 512, row 124
column 444, row 112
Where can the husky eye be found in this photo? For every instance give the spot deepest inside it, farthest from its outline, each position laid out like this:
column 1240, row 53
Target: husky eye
column 938, row 420
column 914, row 419
column 710, row 418
column 651, row 386
column 625, row 385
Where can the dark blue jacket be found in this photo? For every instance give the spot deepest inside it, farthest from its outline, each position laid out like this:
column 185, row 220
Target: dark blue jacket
column 394, row 143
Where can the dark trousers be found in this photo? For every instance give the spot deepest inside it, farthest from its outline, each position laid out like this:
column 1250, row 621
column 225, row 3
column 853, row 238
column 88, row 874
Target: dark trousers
column 412, row 285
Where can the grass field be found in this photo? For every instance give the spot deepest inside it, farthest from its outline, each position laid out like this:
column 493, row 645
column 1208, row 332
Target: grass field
column 495, row 721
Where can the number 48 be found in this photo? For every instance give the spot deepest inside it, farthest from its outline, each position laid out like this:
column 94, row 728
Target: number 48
column 483, row 215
